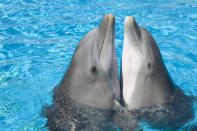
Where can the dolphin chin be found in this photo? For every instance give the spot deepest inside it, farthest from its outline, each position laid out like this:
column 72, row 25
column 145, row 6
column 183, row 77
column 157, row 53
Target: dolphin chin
column 145, row 80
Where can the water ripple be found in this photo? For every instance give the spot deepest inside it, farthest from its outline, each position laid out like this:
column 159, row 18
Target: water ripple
column 38, row 38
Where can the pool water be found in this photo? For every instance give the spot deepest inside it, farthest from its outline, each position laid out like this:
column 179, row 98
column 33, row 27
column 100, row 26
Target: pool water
column 38, row 38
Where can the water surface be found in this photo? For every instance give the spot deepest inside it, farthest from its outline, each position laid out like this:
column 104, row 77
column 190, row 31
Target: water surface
column 38, row 38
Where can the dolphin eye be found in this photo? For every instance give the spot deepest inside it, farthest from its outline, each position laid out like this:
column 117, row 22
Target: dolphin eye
column 149, row 65
column 93, row 69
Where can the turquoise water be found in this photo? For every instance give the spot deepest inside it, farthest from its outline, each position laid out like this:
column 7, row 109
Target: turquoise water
column 38, row 38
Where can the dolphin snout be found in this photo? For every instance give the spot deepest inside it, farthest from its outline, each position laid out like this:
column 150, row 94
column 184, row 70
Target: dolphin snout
column 131, row 26
column 107, row 23
column 107, row 50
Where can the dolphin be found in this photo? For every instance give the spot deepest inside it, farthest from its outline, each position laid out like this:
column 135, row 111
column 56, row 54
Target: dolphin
column 92, row 77
column 144, row 78
column 90, row 88
column 146, row 87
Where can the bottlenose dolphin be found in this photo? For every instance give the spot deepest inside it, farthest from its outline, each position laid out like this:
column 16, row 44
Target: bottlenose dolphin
column 145, row 80
column 146, row 87
column 92, row 78
column 90, row 85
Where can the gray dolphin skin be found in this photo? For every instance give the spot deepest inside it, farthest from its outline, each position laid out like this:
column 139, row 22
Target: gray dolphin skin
column 90, row 96
column 90, row 88
column 144, row 78
column 92, row 78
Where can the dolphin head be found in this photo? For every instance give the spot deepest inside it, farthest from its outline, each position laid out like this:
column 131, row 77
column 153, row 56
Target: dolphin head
column 92, row 74
column 145, row 80
column 143, row 48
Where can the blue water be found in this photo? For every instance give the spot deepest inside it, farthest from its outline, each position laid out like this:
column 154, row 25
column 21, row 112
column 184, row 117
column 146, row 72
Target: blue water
column 38, row 38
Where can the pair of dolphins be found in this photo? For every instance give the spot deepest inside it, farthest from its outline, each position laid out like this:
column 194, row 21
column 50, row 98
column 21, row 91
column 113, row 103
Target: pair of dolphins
column 92, row 79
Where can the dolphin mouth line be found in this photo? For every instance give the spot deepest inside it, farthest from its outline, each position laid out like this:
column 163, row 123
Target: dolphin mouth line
column 135, row 35
column 104, row 38
column 105, row 28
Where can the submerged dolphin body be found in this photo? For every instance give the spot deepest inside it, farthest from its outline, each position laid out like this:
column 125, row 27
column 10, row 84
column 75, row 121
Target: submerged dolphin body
column 90, row 85
column 145, row 83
